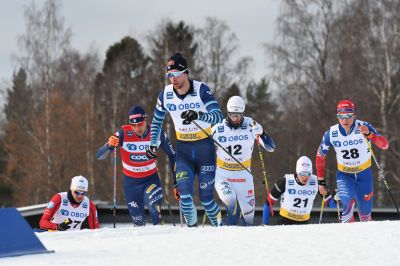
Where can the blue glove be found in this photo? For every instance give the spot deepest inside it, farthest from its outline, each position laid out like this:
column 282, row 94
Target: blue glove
column 266, row 214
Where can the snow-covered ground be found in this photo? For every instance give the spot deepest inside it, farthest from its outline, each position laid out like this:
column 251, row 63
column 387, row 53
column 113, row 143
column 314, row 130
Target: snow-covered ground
column 373, row 243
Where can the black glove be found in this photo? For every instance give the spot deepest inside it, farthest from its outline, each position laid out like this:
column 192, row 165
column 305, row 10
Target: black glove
column 151, row 152
column 64, row 225
column 189, row 116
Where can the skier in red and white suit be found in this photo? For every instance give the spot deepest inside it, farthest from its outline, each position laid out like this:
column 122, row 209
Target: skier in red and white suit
column 71, row 210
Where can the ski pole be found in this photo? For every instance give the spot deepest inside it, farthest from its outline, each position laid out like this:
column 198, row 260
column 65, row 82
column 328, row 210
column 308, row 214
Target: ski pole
column 115, row 186
column 381, row 175
column 180, row 214
column 265, row 175
column 166, row 200
column 322, row 209
column 337, row 206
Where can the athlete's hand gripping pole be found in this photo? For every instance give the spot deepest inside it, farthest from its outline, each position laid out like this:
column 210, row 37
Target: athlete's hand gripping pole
column 265, row 175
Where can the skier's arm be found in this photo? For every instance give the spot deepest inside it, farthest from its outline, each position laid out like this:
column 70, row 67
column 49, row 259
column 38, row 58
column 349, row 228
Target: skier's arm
column 106, row 149
column 260, row 134
column 276, row 192
column 169, row 150
column 49, row 212
column 214, row 114
column 370, row 133
column 92, row 218
column 158, row 120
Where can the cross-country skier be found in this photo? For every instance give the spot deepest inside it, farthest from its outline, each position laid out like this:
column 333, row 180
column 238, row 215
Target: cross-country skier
column 354, row 177
column 297, row 192
column 234, row 185
column 187, row 100
column 71, row 210
column 141, row 180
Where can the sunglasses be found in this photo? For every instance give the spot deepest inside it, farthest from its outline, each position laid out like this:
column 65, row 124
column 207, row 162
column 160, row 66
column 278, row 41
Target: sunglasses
column 345, row 116
column 240, row 115
column 80, row 193
column 176, row 74
column 304, row 174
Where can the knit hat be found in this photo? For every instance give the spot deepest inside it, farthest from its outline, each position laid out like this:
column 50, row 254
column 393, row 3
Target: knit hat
column 304, row 164
column 79, row 183
column 136, row 115
column 345, row 106
column 177, row 61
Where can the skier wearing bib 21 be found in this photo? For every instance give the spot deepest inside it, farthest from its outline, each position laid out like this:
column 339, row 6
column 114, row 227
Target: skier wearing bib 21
column 354, row 176
column 234, row 185
column 188, row 100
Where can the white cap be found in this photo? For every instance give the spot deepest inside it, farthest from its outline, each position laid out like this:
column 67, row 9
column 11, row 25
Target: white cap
column 235, row 104
column 79, row 183
column 304, row 164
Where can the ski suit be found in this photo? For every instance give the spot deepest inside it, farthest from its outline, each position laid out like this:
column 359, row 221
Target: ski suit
column 195, row 152
column 234, row 185
column 141, row 180
column 63, row 206
column 354, row 175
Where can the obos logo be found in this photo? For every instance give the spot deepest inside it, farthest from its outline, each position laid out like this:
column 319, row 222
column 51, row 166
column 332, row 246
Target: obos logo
column 171, row 107
column 64, row 212
column 222, row 139
column 292, row 191
column 131, row 147
column 185, row 106
column 238, row 137
column 337, row 144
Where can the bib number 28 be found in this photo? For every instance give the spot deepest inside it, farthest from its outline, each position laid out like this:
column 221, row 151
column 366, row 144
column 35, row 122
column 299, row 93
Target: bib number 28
column 350, row 154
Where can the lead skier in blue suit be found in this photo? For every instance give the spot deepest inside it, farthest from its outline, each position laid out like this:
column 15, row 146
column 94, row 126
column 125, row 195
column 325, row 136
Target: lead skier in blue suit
column 187, row 100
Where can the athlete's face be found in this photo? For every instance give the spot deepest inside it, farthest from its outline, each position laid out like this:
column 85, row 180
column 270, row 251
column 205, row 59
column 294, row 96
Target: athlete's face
column 235, row 117
column 179, row 80
column 78, row 195
column 346, row 120
column 303, row 177
column 139, row 128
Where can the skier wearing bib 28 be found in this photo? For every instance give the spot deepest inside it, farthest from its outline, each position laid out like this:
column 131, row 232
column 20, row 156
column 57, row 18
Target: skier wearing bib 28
column 234, row 185
column 297, row 193
column 188, row 100
column 354, row 177
column 72, row 210
column 141, row 181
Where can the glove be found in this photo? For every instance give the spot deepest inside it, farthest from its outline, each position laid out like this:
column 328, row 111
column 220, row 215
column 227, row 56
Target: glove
column 64, row 225
column 322, row 188
column 256, row 128
column 331, row 200
column 113, row 141
column 151, row 152
column 189, row 116
column 177, row 194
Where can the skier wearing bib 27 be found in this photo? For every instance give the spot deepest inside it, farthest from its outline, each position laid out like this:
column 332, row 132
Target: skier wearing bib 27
column 297, row 193
column 234, row 185
column 72, row 210
column 141, row 180
column 188, row 100
column 354, row 177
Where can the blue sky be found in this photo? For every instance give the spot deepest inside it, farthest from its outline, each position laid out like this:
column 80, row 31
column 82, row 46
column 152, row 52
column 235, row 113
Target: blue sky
column 100, row 23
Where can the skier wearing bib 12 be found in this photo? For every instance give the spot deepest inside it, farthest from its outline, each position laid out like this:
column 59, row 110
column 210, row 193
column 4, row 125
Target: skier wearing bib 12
column 141, row 181
column 234, row 185
column 354, row 176
column 188, row 100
